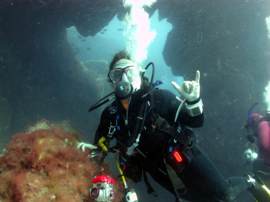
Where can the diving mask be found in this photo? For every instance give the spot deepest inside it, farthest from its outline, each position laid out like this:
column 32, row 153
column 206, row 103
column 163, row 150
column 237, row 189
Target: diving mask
column 126, row 78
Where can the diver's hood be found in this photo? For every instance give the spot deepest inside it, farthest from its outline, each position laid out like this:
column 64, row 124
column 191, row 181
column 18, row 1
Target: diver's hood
column 123, row 63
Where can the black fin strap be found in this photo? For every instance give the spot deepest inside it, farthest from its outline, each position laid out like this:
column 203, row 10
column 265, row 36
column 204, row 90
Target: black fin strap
column 150, row 189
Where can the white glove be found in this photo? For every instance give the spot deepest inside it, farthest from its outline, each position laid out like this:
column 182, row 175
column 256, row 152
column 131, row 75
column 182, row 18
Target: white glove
column 83, row 146
column 189, row 90
column 250, row 155
column 251, row 180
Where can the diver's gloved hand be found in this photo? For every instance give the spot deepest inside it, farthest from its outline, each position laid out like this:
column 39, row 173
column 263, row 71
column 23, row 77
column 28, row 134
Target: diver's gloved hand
column 82, row 146
column 189, row 90
column 250, row 155
column 251, row 180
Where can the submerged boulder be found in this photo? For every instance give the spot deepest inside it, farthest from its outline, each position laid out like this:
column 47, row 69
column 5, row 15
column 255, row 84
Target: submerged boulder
column 45, row 165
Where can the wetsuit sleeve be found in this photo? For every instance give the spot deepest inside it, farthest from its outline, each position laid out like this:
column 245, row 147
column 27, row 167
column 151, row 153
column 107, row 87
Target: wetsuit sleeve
column 174, row 110
column 103, row 126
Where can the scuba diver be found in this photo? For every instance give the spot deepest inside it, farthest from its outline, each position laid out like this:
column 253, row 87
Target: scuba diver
column 258, row 154
column 151, row 128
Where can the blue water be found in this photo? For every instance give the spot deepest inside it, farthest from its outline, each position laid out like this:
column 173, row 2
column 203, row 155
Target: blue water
column 110, row 40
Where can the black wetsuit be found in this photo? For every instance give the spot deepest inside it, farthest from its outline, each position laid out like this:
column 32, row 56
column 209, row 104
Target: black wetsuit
column 201, row 178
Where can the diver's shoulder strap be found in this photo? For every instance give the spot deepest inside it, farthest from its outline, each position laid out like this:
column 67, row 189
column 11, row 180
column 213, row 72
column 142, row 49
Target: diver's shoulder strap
column 134, row 140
